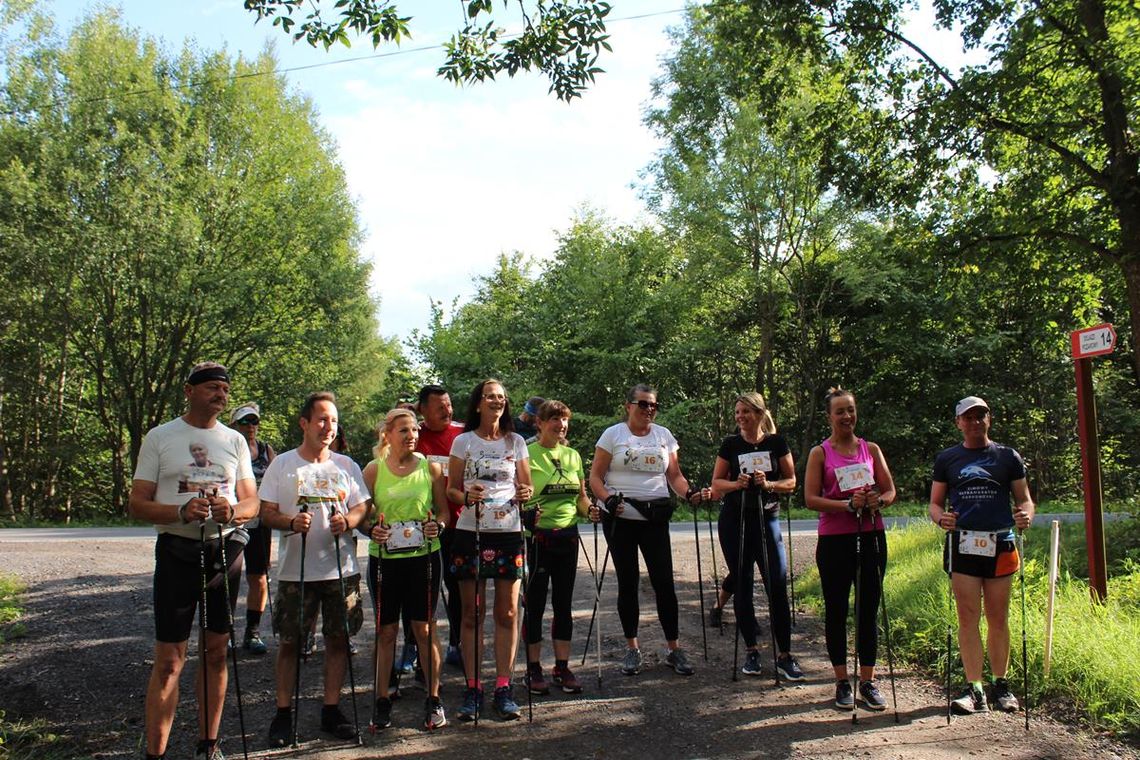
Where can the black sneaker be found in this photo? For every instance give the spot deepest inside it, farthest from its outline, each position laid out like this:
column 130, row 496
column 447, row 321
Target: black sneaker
column 382, row 713
column 632, row 662
column 972, row 700
column 789, row 669
column 208, row 751
column 253, row 642
column 1003, row 697
column 678, row 659
column 752, row 663
column 870, row 697
column 333, row 722
column 844, row 699
column 281, row 729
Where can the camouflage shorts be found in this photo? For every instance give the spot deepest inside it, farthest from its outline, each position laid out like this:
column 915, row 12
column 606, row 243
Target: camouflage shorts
column 324, row 595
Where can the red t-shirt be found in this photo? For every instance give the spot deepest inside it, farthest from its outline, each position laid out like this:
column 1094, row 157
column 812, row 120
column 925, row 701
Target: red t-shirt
column 436, row 446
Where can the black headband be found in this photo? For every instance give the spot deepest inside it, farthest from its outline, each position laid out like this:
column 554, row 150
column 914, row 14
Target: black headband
column 207, row 374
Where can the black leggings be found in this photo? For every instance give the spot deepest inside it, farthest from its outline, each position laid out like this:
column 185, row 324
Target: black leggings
column 552, row 560
column 625, row 537
column 775, row 577
column 835, row 558
column 454, row 607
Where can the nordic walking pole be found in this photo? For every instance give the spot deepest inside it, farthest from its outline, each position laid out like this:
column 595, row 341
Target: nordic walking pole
column 765, row 574
column 949, row 613
column 716, row 572
column 376, row 642
column 858, row 592
column 233, row 649
column 478, row 619
column 739, row 574
column 430, row 631
column 886, row 622
column 203, row 648
column 300, row 632
column 597, row 603
column 614, row 500
column 526, row 611
column 1024, row 656
column 791, row 562
column 700, row 571
column 347, row 633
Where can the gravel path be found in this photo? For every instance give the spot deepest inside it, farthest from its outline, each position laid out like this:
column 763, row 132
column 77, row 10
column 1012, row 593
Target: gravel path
column 85, row 660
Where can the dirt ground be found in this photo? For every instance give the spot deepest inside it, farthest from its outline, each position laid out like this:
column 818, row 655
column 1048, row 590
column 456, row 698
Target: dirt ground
column 84, row 663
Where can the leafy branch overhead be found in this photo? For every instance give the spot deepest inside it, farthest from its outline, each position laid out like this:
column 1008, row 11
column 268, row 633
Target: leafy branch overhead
column 560, row 38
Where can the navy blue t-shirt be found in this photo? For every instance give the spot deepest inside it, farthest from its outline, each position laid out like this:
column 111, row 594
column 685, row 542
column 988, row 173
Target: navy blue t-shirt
column 734, row 446
column 978, row 485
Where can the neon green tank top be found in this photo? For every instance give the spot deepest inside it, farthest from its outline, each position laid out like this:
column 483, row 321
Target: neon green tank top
column 402, row 499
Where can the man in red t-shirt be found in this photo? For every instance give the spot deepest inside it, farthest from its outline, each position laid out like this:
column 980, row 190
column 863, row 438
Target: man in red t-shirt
column 437, row 432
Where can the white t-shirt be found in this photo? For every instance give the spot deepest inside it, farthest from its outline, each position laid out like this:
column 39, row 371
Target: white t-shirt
column 291, row 481
column 638, row 463
column 183, row 460
column 494, row 464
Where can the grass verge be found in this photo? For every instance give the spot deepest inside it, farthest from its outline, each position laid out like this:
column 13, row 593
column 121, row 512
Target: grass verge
column 1094, row 662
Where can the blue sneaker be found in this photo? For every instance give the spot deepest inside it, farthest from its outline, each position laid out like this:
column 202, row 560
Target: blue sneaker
column 408, row 658
column 454, row 657
column 472, row 704
column 505, row 705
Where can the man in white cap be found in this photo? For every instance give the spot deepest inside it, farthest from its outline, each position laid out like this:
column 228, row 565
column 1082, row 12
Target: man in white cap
column 979, row 478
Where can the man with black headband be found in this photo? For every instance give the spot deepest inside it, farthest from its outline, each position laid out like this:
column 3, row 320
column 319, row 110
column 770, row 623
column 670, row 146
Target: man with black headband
column 180, row 506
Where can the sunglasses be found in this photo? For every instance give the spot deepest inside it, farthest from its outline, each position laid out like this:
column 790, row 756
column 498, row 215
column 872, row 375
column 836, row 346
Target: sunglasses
column 251, row 421
column 651, row 406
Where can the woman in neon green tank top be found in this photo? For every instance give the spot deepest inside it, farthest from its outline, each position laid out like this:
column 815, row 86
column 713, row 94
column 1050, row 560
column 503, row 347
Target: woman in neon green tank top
column 410, row 502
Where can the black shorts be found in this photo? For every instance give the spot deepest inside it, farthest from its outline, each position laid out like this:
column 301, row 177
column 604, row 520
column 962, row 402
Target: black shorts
column 178, row 585
column 258, row 550
column 1005, row 561
column 501, row 556
column 404, row 586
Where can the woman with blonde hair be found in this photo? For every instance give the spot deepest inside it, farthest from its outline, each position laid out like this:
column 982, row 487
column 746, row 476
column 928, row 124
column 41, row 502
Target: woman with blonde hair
column 753, row 467
column 410, row 501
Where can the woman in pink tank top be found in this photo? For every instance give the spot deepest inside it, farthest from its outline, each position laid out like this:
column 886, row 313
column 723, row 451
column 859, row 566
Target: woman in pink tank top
column 848, row 482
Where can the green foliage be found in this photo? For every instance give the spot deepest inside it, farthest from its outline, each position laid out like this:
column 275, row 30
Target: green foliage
column 11, row 608
column 1093, row 663
column 562, row 39
column 145, row 226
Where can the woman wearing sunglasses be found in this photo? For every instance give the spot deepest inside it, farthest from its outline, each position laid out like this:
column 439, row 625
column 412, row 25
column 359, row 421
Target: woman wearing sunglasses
column 635, row 465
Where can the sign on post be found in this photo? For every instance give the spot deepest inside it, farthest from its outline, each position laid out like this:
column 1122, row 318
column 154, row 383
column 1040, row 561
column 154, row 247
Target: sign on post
column 1087, row 343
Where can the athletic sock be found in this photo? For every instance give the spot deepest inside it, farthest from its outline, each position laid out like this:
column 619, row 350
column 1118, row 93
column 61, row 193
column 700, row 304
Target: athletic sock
column 284, row 712
column 501, row 681
column 252, row 618
column 562, row 664
column 472, row 683
column 978, row 685
column 534, row 665
column 204, row 746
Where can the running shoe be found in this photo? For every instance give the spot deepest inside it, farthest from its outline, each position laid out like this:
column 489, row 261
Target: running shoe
column 310, row 647
column 352, row 650
column 1003, row 697
column 536, row 681
column 752, row 663
column 972, row 700
column 334, row 722
column 565, row 678
column 716, row 616
column 453, row 657
column 210, row 753
column 505, row 705
column 253, row 643
column 408, row 657
column 679, row 661
column 472, row 704
column 382, row 713
column 789, row 669
column 843, row 696
column 434, row 717
column 870, row 697
column 631, row 664
column 281, row 729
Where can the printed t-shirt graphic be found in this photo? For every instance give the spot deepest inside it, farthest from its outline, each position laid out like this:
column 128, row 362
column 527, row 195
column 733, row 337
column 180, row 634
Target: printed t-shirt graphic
column 494, row 465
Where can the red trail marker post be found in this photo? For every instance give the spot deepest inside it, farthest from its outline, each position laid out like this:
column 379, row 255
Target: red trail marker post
column 1087, row 343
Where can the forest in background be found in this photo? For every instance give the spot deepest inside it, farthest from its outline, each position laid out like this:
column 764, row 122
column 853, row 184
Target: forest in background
column 831, row 205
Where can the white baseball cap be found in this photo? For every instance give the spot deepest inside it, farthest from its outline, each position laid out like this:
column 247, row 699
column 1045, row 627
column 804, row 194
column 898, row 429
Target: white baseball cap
column 969, row 403
column 246, row 410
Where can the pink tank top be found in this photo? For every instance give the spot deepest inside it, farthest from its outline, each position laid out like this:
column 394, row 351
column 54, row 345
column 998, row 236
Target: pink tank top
column 840, row 523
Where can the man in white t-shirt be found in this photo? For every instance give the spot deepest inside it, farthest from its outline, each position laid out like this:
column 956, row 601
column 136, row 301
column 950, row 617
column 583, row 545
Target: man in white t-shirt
column 194, row 482
column 314, row 492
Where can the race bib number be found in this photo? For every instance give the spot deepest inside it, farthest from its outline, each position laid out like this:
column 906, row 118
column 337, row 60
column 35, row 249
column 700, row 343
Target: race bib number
column 755, row 461
column 405, row 536
column 977, row 543
column 853, row 476
column 500, row 516
column 645, row 459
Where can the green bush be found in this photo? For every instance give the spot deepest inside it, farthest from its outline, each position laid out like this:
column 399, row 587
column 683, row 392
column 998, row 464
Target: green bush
column 1094, row 660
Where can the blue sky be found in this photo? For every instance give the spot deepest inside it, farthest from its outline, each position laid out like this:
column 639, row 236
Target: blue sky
column 461, row 175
